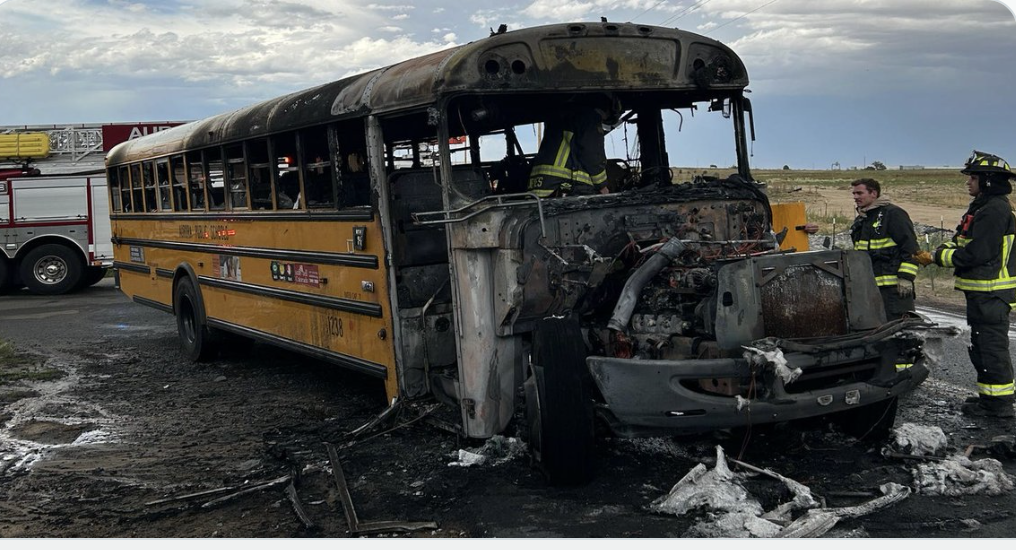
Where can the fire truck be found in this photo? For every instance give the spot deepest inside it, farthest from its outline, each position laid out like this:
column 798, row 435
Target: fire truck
column 54, row 230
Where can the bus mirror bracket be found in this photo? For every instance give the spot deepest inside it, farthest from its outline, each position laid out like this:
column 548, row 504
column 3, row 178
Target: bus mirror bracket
column 473, row 209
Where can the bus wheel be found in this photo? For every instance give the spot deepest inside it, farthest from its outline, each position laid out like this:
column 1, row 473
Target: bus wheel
column 871, row 422
column 197, row 340
column 92, row 276
column 51, row 269
column 558, row 409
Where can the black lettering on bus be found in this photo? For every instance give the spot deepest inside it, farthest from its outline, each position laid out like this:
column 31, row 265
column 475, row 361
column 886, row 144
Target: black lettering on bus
column 335, row 326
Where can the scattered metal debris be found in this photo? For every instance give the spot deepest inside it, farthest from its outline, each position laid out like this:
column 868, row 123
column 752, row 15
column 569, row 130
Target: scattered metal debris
column 958, row 475
column 816, row 522
column 388, row 415
column 894, row 454
column 294, row 499
column 918, row 440
column 390, row 412
column 373, row 527
column 191, row 496
column 774, row 356
column 719, row 490
column 252, row 489
column 1000, row 445
column 495, row 451
column 210, row 492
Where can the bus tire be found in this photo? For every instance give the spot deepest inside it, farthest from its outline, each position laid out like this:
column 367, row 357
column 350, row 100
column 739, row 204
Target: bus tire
column 92, row 276
column 559, row 412
column 51, row 269
column 197, row 341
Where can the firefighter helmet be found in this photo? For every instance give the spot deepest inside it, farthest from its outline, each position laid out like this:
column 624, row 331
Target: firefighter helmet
column 986, row 164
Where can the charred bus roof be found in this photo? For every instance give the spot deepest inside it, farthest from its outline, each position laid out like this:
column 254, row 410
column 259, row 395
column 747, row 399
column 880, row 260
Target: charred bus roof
column 565, row 57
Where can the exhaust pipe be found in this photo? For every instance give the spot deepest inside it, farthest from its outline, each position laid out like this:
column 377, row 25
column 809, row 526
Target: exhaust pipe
column 638, row 280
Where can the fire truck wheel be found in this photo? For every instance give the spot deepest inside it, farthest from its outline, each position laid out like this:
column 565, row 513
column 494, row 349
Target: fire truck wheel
column 558, row 407
column 199, row 343
column 51, row 269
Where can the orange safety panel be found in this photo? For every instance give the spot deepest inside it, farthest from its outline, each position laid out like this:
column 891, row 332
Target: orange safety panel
column 791, row 215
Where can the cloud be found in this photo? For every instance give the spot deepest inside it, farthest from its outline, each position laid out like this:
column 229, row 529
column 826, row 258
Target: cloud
column 571, row 10
column 390, row 7
column 235, row 42
column 866, row 45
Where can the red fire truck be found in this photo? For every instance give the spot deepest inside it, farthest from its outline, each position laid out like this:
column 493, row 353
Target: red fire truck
column 54, row 230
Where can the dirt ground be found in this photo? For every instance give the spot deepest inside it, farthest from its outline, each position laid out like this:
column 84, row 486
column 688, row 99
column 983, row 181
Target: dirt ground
column 831, row 201
column 107, row 433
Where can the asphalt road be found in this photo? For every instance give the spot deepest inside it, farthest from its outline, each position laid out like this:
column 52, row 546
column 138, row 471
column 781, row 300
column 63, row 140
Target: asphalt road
column 101, row 315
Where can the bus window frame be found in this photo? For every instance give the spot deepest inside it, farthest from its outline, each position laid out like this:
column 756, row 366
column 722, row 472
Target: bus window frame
column 249, row 146
column 125, row 187
column 307, row 165
column 293, row 166
column 178, row 189
column 113, row 187
column 334, row 153
column 209, row 188
column 232, row 166
column 165, row 202
column 300, row 201
column 201, row 178
column 148, row 182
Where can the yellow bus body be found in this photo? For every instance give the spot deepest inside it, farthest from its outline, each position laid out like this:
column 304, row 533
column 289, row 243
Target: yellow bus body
column 233, row 260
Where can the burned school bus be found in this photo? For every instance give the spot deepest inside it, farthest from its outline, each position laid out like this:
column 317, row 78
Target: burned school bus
column 384, row 223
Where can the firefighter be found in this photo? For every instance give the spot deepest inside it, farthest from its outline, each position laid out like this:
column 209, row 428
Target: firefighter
column 571, row 159
column 985, row 270
column 885, row 231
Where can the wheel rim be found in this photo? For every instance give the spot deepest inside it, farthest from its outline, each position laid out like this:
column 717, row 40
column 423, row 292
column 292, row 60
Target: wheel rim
column 50, row 270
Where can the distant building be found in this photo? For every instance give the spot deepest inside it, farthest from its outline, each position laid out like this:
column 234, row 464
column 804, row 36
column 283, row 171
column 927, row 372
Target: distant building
column 911, row 167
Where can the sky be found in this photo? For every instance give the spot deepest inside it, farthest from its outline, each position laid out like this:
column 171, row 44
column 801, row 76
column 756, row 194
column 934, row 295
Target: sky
column 904, row 82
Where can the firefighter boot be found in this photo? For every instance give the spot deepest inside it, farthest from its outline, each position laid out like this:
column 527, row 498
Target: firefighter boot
column 989, row 408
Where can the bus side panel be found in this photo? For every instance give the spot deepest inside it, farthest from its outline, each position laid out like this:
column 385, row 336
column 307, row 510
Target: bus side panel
column 303, row 281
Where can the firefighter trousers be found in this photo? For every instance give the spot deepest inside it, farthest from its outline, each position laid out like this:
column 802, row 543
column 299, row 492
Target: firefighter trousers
column 988, row 317
column 896, row 306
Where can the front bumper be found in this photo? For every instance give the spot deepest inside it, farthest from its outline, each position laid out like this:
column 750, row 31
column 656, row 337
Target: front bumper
column 652, row 396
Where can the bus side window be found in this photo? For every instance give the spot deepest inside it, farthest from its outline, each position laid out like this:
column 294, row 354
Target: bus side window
column 178, row 182
column 216, row 179
column 260, row 169
column 196, row 183
column 355, row 179
column 137, row 190
column 125, row 188
column 317, row 166
column 162, row 177
column 151, row 201
column 353, row 172
column 236, row 177
column 114, row 192
column 287, row 188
